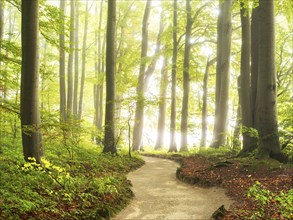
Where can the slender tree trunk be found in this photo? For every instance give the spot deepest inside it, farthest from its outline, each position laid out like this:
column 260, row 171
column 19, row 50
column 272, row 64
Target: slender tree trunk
column 186, row 79
column 109, row 141
column 266, row 87
column 236, row 144
column 98, row 66
column 1, row 27
column 245, row 93
column 162, row 106
column 204, row 112
column 29, row 105
column 173, row 147
column 76, row 61
column 62, row 64
column 70, row 64
column 83, row 61
column 254, row 69
column 101, row 87
column 222, row 74
column 138, row 121
column 2, row 86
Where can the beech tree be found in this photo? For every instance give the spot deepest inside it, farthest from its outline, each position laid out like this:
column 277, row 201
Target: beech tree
column 224, row 30
column 162, row 106
column 62, row 93
column 266, row 99
column 138, row 121
column 83, row 65
column 29, row 104
column 109, row 140
column 69, row 105
column 245, row 80
column 173, row 147
column 186, row 79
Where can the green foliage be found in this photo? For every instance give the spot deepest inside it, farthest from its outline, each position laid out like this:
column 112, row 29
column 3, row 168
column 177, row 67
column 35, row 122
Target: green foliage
column 268, row 201
column 91, row 186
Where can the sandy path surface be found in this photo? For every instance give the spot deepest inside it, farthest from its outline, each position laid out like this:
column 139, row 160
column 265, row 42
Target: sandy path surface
column 159, row 195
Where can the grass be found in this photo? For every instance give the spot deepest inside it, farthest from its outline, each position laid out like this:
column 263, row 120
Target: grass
column 92, row 185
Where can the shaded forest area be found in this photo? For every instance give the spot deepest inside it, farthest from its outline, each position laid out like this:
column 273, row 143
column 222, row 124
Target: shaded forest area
column 86, row 86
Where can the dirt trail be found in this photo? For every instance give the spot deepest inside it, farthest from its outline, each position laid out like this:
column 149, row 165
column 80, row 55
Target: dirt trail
column 159, row 195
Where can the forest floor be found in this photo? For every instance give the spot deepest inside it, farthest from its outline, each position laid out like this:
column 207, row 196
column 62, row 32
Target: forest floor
column 262, row 188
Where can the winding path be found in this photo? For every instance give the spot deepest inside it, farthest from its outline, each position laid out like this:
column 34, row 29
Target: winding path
column 159, row 195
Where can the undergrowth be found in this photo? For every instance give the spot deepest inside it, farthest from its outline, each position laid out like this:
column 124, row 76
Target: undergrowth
column 92, row 185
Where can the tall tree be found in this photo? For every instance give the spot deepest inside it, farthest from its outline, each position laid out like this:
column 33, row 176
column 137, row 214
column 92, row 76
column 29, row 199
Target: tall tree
column 1, row 25
column 162, row 106
column 245, row 80
column 62, row 63
column 138, row 121
column 204, row 113
column 109, row 141
column 29, row 107
column 224, row 30
column 76, row 60
column 186, row 79
column 83, row 61
column 173, row 146
column 254, row 30
column 99, row 65
column 70, row 64
column 267, row 123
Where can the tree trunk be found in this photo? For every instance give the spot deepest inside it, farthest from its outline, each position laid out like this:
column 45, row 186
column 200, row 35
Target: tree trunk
column 162, row 106
column 83, row 61
column 1, row 27
column 173, row 147
column 29, row 107
column 76, row 61
column 109, row 141
column 266, row 106
column 70, row 64
column 222, row 74
column 138, row 121
column 236, row 144
column 204, row 112
column 62, row 64
column 184, row 111
column 254, row 69
column 245, row 93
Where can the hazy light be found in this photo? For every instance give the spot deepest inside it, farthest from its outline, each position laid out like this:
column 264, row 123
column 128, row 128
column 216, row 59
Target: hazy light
column 206, row 50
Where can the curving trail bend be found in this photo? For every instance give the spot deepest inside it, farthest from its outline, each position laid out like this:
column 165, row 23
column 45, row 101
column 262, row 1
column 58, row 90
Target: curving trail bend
column 159, row 195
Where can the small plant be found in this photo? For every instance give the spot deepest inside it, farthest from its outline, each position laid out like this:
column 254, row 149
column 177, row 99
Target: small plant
column 271, row 205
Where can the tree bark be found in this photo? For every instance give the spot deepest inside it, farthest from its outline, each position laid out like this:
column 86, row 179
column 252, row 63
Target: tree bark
column 186, row 79
column 62, row 64
column 222, row 74
column 254, row 69
column 98, row 93
column 245, row 79
column 1, row 27
column 29, row 107
column 266, row 106
column 173, row 147
column 76, row 61
column 83, row 61
column 109, row 141
column 70, row 64
column 138, row 121
column 162, row 106
column 204, row 112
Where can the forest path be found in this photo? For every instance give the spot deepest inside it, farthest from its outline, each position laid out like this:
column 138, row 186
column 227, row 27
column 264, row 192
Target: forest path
column 159, row 195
